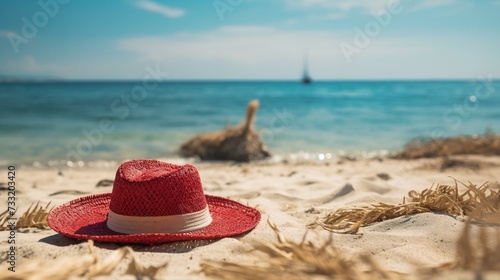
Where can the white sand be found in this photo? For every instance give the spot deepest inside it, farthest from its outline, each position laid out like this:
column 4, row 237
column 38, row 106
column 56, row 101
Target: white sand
column 285, row 193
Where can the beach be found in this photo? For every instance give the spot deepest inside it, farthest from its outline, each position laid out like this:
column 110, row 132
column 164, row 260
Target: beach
column 290, row 194
column 340, row 139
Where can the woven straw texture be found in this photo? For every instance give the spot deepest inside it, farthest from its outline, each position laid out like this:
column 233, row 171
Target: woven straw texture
column 155, row 188
column 85, row 218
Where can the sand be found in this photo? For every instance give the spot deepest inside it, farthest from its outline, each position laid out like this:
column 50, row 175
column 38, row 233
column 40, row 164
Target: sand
column 290, row 194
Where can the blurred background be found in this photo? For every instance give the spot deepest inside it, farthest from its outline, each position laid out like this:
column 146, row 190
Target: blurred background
column 110, row 80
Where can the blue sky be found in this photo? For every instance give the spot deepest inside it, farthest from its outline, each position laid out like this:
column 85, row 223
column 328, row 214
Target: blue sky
column 252, row 39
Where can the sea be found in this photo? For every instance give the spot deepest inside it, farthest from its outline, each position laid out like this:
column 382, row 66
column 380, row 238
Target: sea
column 78, row 123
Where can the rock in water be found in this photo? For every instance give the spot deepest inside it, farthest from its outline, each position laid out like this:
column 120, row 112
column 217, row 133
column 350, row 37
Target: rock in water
column 238, row 143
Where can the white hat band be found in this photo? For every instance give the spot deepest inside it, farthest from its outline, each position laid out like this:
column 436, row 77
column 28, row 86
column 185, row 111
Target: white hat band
column 158, row 224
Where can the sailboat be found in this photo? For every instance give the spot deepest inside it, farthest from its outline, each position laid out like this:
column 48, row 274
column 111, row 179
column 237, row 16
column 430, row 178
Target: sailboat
column 306, row 79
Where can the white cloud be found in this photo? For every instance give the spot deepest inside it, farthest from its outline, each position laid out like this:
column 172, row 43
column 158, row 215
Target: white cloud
column 5, row 33
column 365, row 5
column 239, row 45
column 335, row 16
column 252, row 52
column 257, row 52
column 429, row 4
column 335, row 10
column 238, row 29
column 28, row 65
column 164, row 10
column 231, row 52
column 328, row 16
column 341, row 5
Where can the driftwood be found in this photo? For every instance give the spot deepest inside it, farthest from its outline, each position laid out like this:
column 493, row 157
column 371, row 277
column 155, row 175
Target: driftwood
column 238, row 143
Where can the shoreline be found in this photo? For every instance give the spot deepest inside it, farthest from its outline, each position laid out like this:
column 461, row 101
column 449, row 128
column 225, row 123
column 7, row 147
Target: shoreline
column 300, row 156
column 297, row 158
column 487, row 144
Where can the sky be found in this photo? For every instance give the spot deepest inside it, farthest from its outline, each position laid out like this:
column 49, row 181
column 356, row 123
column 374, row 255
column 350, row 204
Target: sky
column 250, row 40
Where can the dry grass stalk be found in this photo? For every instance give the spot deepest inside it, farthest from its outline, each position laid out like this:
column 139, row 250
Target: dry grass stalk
column 137, row 268
column 479, row 252
column 462, row 145
column 36, row 217
column 83, row 267
column 443, row 199
column 238, row 143
column 304, row 260
column 64, row 268
column 482, row 254
column 3, row 220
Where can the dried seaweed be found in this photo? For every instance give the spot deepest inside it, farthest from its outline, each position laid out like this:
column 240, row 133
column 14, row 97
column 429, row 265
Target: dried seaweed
column 479, row 145
column 290, row 260
column 442, row 199
column 86, row 266
column 32, row 218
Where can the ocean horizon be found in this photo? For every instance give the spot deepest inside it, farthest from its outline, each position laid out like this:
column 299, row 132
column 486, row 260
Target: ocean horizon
column 116, row 120
column 56, row 80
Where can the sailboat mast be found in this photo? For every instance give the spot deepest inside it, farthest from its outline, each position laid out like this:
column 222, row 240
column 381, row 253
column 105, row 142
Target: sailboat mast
column 305, row 78
column 306, row 71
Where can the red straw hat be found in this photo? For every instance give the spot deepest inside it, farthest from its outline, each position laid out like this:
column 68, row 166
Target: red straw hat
column 153, row 202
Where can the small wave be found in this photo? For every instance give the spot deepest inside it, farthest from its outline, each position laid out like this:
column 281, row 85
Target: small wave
column 298, row 157
column 305, row 157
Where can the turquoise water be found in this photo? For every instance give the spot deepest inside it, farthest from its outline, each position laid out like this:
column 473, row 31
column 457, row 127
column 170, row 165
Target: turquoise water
column 91, row 121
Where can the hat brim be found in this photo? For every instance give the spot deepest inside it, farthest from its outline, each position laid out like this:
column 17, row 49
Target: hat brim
column 85, row 218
